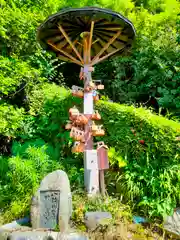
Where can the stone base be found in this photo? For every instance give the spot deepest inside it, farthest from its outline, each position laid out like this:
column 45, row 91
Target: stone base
column 44, row 235
column 5, row 232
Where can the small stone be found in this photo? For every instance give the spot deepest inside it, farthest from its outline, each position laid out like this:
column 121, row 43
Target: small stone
column 52, row 204
column 129, row 235
column 75, row 236
column 172, row 223
column 94, row 219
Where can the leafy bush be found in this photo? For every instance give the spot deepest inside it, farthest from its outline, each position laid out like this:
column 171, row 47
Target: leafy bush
column 146, row 148
column 149, row 168
column 48, row 109
column 21, row 179
column 146, row 154
column 152, row 68
column 10, row 119
column 83, row 204
column 14, row 72
column 22, row 174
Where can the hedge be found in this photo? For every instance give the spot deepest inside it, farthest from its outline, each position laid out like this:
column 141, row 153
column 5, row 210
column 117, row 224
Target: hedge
column 147, row 144
column 144, row 152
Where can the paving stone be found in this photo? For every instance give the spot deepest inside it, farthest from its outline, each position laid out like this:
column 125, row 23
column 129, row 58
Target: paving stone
column 45, row 235
column 29, row 235
column 5, row 232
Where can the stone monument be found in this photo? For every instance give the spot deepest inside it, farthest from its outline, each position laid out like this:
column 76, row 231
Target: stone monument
column 51, row 208
column 52, row 205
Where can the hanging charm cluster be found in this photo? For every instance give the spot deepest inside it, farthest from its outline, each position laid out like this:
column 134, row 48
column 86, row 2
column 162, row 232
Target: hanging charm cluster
column 78, row 121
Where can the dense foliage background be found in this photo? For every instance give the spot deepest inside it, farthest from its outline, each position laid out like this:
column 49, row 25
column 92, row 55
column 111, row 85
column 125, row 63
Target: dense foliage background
column 33, row 109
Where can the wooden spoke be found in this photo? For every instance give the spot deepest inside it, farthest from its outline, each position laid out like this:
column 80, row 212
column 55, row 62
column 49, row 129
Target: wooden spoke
column 66, row 54
column 110, row 28
column 61, row 44
column 70, row 43
column 74, row 43
column 106, row 47
column 95, row 41
column 90, row 40
column 106, row 56
column 85, row 47
column 65, row 59
column 79, row 43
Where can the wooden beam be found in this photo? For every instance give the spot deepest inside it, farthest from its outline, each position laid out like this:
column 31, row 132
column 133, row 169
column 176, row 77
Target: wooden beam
column 70, row 43
column 80, row 44
column 90, row 40
column 66, row 54
column 106, row 46
column 110, row 28
column 106, row 56
column 74, row 43
column 85, row 48
column 65, row 59
column 61, row 44
column 95, row 41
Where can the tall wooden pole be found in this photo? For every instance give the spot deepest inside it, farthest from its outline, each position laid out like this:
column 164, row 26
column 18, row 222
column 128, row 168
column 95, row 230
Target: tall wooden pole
column 88, row 97
column 91, row 173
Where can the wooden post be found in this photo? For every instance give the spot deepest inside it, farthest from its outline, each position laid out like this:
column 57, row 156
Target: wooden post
column 95, row 161
column 91, row 173
column 103, row 163
column 102, row 183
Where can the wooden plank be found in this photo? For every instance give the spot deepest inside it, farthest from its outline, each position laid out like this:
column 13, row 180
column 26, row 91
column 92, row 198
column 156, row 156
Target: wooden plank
column 106, row 46
column 103, row 162
column 66, row 54
column 70, row 42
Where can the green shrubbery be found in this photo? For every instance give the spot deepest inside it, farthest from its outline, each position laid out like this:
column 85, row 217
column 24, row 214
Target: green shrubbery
column 151, row 69
column 147, row 149
column 20, row 176
column 144, row 153
column 10, row 119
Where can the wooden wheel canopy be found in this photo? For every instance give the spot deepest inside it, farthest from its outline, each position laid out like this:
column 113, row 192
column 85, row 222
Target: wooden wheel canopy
column 86, row 35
